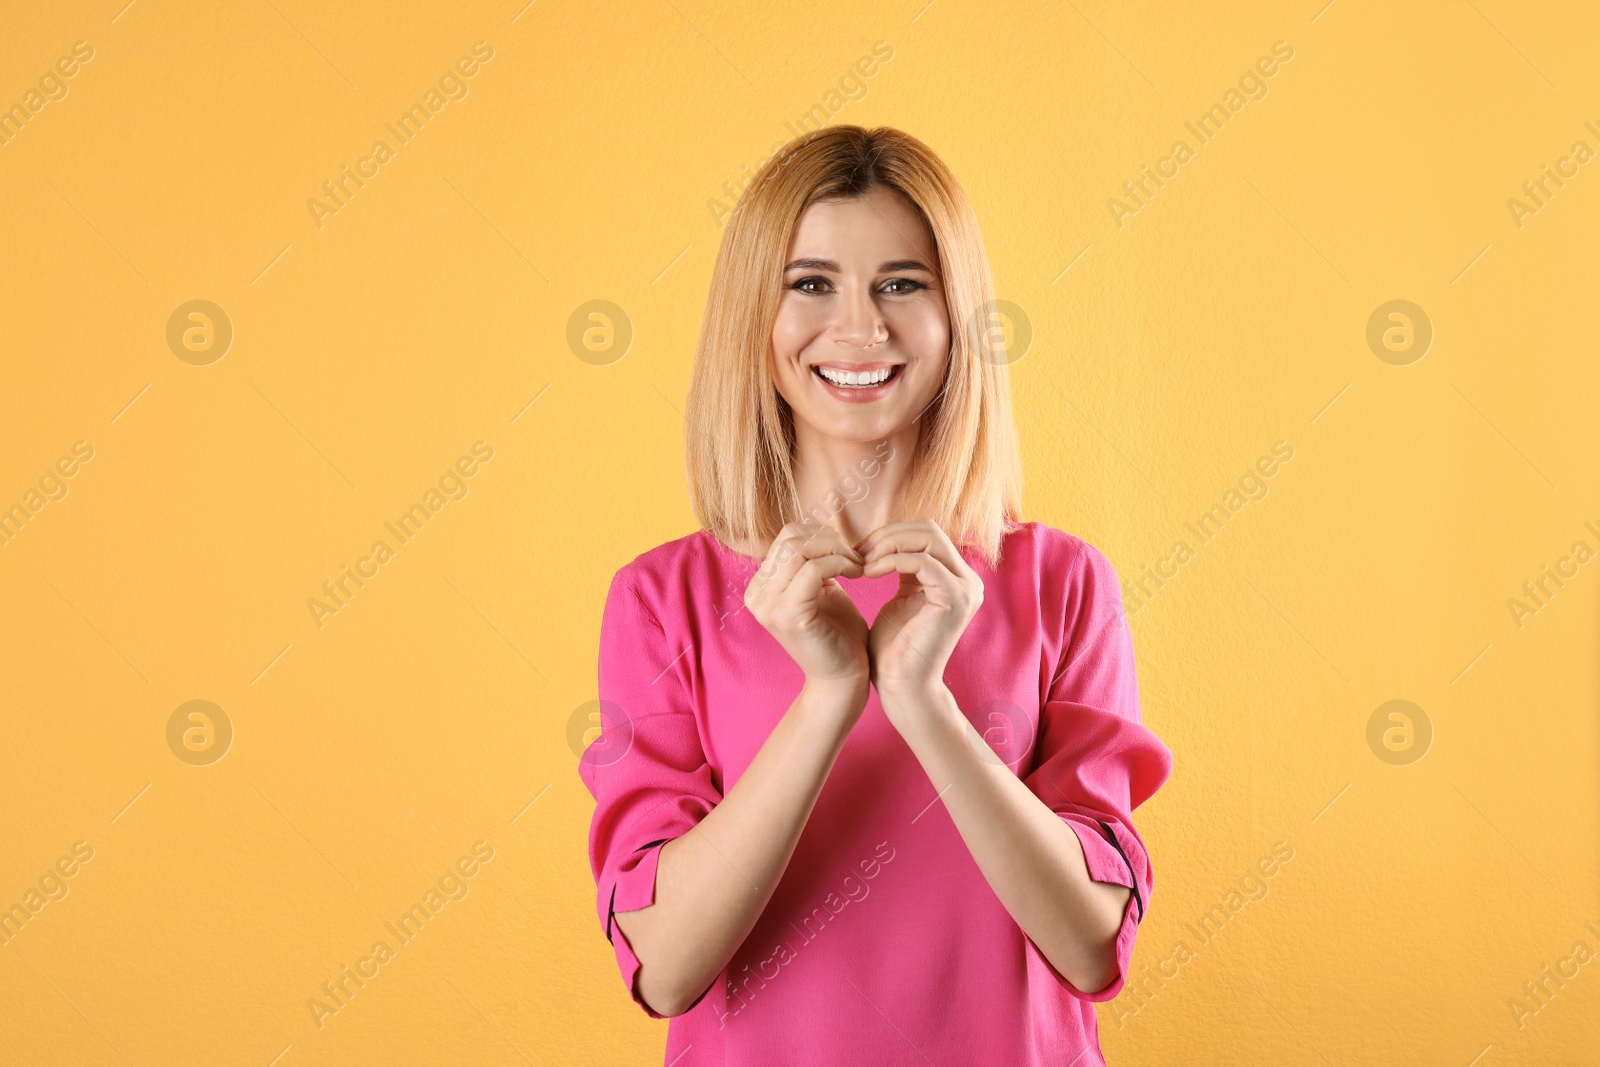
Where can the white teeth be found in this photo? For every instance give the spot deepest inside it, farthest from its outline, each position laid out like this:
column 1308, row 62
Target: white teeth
column 853, row 378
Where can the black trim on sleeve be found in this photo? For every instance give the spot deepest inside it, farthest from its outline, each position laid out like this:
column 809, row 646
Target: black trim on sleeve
column 1112, row 837
column 611, row 908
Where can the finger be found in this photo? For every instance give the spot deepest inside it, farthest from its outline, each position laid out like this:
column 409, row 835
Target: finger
column 887, row 530
column 814, row 573
column 918, row 536
column 936, row 579
column 791, row 530
column 791, row 549
column 831, row 535
column 783, row 545
column 792, row 552
column 914, row 535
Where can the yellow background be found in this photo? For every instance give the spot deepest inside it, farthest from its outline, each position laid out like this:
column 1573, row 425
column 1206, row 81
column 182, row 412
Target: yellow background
column 431, row 311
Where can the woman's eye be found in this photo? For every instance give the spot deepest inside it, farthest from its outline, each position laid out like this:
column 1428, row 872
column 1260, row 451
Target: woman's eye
column 894, row 286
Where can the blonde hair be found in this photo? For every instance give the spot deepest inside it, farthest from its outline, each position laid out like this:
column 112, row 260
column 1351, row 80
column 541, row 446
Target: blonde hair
column 966, row 473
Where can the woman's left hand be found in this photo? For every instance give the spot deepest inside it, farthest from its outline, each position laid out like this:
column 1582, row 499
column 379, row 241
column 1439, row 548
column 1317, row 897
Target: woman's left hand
column 912, row 638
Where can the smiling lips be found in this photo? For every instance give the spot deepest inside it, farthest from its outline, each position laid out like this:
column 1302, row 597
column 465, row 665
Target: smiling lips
column 857, row 382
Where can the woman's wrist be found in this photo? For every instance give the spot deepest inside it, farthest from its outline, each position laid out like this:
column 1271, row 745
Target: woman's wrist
column 835, row 697
column 837, row 688
column 914, row 694
column 916, row 710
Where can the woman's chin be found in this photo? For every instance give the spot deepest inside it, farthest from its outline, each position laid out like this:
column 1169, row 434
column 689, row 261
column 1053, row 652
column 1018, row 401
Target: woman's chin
column 864, row 430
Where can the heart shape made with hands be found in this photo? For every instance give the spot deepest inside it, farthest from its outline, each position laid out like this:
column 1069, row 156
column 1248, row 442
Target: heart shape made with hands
column 910, row 641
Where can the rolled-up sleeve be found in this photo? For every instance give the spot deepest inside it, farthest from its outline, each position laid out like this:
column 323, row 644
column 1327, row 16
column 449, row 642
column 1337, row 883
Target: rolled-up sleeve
column 1095, row 761
column 647, row 769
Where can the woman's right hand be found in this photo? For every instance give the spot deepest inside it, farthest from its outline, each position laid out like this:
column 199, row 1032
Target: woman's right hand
column 795, row 596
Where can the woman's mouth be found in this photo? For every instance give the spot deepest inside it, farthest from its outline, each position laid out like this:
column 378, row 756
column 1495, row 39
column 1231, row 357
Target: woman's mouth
column 857, row 384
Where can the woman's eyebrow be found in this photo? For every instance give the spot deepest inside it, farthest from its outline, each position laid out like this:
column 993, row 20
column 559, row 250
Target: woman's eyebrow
column 813, row 263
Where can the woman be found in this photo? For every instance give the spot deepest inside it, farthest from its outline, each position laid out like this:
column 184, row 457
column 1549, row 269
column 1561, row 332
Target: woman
column 820, row 840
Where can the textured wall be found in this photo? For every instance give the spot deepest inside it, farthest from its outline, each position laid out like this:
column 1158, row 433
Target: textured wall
column 191, row 474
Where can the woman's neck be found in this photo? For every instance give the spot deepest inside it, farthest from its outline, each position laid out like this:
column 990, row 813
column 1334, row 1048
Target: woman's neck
column 853, row 486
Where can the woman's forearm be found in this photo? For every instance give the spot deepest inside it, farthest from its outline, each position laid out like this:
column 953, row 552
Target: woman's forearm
column 713, row 882
column 1032, row 860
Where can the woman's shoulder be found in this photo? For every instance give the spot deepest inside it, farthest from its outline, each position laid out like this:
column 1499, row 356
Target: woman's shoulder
column 1067, row 567
column 1057, row 551
column 672, row 569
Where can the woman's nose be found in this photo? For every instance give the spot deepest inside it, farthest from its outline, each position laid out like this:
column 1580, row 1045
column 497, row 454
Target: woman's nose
column 860, row 323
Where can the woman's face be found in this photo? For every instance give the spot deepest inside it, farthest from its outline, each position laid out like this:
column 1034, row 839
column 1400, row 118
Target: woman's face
column 862, row 296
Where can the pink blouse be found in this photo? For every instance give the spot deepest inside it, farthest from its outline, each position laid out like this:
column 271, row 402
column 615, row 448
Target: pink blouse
column 883, row 943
